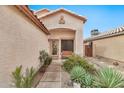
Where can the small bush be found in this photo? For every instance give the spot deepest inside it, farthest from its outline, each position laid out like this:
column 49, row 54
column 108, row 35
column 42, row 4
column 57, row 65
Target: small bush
column 76, row 60
column 45, row 58
column 109, row 78
column 77, row 74
column 48, row 60
column 23, row 81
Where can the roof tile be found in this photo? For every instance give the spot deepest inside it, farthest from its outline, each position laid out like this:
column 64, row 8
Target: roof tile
column 117, row 31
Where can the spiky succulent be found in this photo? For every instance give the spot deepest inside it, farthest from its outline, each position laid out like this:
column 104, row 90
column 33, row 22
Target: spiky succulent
column 28, row 78
column 109, row 78
column 77, row 74
column 87, row 82
column 23, row 81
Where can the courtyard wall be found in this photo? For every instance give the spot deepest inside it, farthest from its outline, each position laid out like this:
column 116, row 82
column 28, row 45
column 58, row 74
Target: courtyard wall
column 112, row 48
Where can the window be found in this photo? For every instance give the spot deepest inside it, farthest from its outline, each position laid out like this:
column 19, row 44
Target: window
column 67, row 45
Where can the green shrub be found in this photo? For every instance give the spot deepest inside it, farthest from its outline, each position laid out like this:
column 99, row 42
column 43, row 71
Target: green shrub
column 109, row 78
column 75, row 60
column 45, row 58
column 48, row 60
column 23, row 81
column 77, row 74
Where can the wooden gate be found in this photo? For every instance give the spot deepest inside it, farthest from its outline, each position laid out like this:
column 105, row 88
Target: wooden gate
column 88, row 51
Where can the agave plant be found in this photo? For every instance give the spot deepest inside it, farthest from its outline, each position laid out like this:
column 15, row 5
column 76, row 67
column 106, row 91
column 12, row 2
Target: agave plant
column 77, row 74
column 109, row 78
column 87, row 82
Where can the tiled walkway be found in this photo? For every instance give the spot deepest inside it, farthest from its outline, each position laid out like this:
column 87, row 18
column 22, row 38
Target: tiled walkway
column 54, row 77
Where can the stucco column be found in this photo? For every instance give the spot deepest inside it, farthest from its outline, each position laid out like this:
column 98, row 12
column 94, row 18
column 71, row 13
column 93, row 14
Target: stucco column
column 59, row 48
column 79, row 42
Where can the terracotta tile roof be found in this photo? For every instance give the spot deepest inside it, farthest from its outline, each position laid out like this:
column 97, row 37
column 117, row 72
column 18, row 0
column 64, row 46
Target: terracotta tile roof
column 59, row 10
column 115, row 32
column 24, row 9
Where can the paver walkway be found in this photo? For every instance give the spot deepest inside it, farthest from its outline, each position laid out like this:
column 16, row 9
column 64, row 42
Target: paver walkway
column 54, row 77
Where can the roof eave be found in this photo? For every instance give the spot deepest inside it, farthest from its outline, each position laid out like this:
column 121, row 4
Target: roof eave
column 32, row 17
column 53, row 12
column 103, row 37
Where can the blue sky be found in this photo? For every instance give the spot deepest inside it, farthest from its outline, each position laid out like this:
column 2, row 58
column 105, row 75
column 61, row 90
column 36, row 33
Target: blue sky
column 101, row 17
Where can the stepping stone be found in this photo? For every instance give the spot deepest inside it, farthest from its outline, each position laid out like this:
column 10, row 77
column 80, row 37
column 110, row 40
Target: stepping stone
column 53, row 68
column 51, row 76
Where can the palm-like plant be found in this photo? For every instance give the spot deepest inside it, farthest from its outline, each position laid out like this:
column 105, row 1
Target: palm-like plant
column 109, row 78
column 28, row 78
column 77, row 74
column 23, row 81
column 17, row 77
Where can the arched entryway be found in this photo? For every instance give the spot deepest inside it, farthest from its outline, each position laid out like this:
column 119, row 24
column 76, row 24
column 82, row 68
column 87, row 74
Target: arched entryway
column 62, row 42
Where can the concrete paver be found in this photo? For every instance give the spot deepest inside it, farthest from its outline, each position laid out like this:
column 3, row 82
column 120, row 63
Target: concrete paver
column 51, row 76
column 54, row 77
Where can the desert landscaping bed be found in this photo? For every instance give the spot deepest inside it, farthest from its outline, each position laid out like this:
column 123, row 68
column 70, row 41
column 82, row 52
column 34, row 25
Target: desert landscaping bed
column 38, row 76
column 100, row 62
column 93, row 72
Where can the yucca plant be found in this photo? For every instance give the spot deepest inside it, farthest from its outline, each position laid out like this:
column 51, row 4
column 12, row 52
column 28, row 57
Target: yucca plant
column 28, row 78
column 23, row 81
column 109, row 78
column 17, row 77
column 87, row 81
column 77, row 74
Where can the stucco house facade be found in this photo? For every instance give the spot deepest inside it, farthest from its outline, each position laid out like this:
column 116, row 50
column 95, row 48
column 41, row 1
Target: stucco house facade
column 109, row 44
column 66, row 31
column 24, row 33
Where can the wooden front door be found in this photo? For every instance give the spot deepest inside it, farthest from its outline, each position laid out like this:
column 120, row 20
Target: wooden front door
column 88, row 51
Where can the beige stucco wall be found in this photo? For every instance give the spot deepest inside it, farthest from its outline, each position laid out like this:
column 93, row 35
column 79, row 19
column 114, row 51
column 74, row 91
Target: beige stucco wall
column 20, row 43
column 110, row 47
column 71, row 22
column 62, row 34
